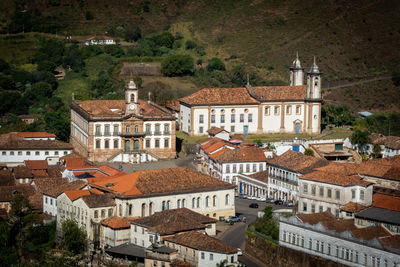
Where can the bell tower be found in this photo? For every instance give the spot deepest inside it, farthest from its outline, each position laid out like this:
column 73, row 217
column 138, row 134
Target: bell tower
column 131, row 98
column 296, row 72
column 314, row 82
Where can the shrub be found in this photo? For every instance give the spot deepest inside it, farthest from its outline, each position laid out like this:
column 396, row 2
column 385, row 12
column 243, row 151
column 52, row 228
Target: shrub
column 177, row 65
column 190, row 44
column 215, row 64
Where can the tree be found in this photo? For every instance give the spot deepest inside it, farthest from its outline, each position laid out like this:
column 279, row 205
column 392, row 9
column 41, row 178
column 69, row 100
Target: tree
column 309, row 152
column 46, row 65
column 133, row 33
column 73, row 58
column 190, row 44
column 177, row 65
column 164, row 39
column 377, row 151
column 267, row 224
column 74, row 238
column 396, row 78
column 215, row 64
column 360, row 138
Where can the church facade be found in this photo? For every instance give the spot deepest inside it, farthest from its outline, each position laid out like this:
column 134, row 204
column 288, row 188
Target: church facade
column 256, row 110
column 130, row 130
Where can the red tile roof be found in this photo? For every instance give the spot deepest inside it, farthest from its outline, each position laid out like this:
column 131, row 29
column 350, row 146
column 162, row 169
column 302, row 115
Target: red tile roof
column 279, row 93
column 386, row 202
column 212, row 96
column 160, row 181
column 385, row 167
column 6, row 178
column 118, row 222
column 174, row 221
column 33, row 134
column 215, row 130
column 199, row 241
column 261, row 176
column 55, row 191
column 75, row 163
column 353, row 207
column 15, row 142
column 371, row 232
column 392, row 142
column 74, row 194
column 328, row 220
column 392, row 241
column 36, row 164
column 335, row 178
column 7, row 192
column 243, row 154
column 298, row 162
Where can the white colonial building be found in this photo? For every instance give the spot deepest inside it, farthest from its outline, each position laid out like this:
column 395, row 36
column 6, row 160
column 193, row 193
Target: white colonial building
column 339, row 240
column 129, row 130
column 261, row 109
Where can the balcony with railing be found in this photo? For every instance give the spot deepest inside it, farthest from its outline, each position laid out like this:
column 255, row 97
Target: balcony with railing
column 283, row 179
column 132, row 134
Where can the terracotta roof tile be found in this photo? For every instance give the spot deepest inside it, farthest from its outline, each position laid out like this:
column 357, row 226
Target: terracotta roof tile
column 212, row 96
column 197, row 240
column 278, row 93
column 59, row 189
column 97, row 200
column 386, row 202
column 371, row 232
column 173, row 105
column 392, row 241
column 75, row 163
column 328, row 220
column 22, row 172
column 118, row 222
column 218, row 153
column 385, row 167
column 39, row 173
column 243, row 154
column 7, row 192
column 353, row 207
column 215, row 130
column 36, row 164
column 16, row 142
column 33, row 134
column 335, row 178
column 75, row 194
column 6, row 178
column 159, row 181
column 174, row 221
column 215, row 146
column 298, row 162
column 392, row 142
column 261, row 176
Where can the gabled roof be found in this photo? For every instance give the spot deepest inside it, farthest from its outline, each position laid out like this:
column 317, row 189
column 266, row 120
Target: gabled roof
column 57, row 190
column 159, row 181
column 336, row 178
column 392, row 142
column 118, row 222
column 7, row 192
column 22, row 172
column 212, row 96
column 385, row 167
column 174, row 221
column 298, row 162
column 328, row 220
column 32, row 134
column 279, row 93
column 99, row 200
column 392, row 241
column 353, row 207
column 371, row 232
column 386, row 202
column 6, row 178
column 261, row 176
column 243, row 154
column 75, row 194
column 215, row 130
column 199, row 241
column 14, row 142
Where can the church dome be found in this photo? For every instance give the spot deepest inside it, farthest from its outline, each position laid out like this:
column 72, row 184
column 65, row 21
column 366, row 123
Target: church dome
column 314, row 68
column 296, row 62
column 131, row 85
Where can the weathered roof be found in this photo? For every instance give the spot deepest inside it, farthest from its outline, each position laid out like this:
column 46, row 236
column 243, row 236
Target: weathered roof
column 353, row 207
column 36, row 164
column 215, row 130
column 371, row 232
column 61, row 187
column 14, row 142
column 328, row 220
column 335, row 178
column 261, row 176
column 279, row 93
column 117, row 222
column 174, row 221
column 99, row 200
column 159, row 181
column 243, row 154
column 6, row 178
column 386, row 202
column 128, row 250
column 7, row 192
column 116, row 108
column 384, row 167
column 22, row 172
column 199, row 241
column 32, row 134
column 392, row 241
column 380, row 214
column 298, row 162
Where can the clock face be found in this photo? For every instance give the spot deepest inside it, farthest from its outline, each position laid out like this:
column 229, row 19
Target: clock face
column 131, row 107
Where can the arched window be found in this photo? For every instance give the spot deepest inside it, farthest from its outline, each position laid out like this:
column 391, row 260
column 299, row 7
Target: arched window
column 179, row 203
column 168, row 204
column 214, row 201
column 136, row 128
column 163, row 207
column 198, row 202
column 183, row 203
column 207, row 201
column 132, row 97
column 143, row 209
column 130, row 210
column 226, row 199
column 127, row 129
column 193, row 203
column 120, row 210
column 151, row 208
column 96, row 213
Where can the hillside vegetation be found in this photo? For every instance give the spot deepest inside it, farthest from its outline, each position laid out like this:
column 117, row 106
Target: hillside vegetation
column 351, row 39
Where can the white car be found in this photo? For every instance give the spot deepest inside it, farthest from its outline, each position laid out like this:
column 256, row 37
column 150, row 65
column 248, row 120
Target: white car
column 239, row 252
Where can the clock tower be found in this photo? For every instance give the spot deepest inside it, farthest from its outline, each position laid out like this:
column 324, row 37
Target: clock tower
column 131, row 98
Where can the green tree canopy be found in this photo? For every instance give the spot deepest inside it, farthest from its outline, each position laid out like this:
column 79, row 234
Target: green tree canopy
column 74, row 238
column 215, row 64
column 177, row 65
column 309, row 152
column 133, row 33
column 360, row 138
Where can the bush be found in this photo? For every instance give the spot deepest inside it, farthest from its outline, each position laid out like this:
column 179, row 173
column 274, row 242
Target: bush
column 74, row 238
column 215, row 64
column 177, row 65
column 309, row 152
column 133, row 34
column 88, row 15
column 190, row 44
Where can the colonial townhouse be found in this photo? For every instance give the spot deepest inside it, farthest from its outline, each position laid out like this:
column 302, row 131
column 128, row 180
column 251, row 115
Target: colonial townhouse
column 340, row 241
column 130, row 130
column 254, row 185
column 145, row 192
column 284, row 172
column 219, row 133
column 260, row 109
column 199, row 249
column 87, row 209
column 329, row 191
column 228, row 163
column 153, row 229
column 386, row 146
column 16, row 148
column 115, row 231
column 209, row 148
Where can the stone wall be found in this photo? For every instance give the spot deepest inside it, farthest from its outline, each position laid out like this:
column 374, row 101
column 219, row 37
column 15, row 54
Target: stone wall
column 274, row 255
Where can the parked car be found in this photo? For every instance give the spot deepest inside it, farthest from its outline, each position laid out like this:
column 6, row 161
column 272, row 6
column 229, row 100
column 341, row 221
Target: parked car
column 269, row 200
column 240, row 253
column 233, row 219
column 278, row 202
column 253, row 206
column 241, row 196
column 288, row 203
column 221, row 218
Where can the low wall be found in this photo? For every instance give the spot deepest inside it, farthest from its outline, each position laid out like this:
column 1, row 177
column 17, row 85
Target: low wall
column 274, row 255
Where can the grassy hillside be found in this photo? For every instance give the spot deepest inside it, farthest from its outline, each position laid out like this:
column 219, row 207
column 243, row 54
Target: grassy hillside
column 351, row 39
